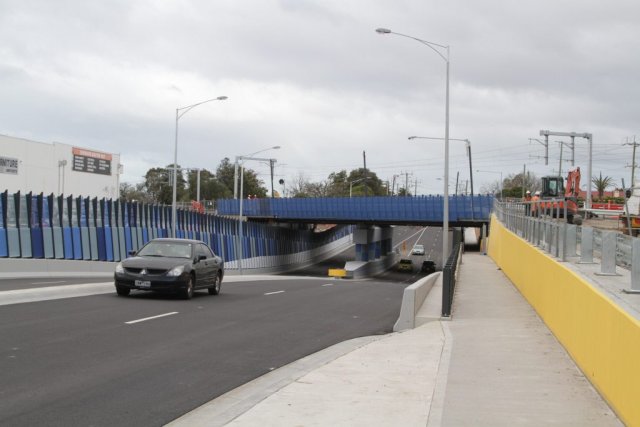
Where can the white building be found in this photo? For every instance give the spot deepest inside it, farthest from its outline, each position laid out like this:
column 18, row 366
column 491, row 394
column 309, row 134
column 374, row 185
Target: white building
column 57, row 168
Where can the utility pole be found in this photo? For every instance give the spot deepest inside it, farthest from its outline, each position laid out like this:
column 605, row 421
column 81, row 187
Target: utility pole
column 415, row 191
column 271, row 161
column 364, row 158
column 524, row 174
column 406, row 181
column 457, row 177
column 546, row 147
column 560, row 162
column 634, row 144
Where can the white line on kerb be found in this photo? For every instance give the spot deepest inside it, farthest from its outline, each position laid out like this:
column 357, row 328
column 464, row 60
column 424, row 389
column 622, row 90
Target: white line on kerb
column 272, row 293
column 150, row 318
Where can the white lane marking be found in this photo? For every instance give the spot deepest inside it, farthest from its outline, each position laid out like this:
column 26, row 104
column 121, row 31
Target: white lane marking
column 272, row 293
column 150, row 318
column 47, row 283
column 328, row 284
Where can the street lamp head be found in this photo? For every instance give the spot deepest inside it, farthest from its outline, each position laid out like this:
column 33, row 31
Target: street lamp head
column 276, row 147
column 412, row 137
column 383, row 31
column 221, row 98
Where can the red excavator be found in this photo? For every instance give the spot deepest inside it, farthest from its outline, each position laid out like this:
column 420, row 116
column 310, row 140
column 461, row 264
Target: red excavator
column 554, row 196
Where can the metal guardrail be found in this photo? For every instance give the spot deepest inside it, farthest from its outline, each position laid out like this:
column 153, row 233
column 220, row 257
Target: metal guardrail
column 449, row 279
column 563, row 241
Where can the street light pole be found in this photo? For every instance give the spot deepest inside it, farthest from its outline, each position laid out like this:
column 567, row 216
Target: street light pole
column 235, row 170
column 445, row 209
column 181, row 111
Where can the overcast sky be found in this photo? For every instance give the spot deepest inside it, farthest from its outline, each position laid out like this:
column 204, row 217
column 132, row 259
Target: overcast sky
column 316, row 79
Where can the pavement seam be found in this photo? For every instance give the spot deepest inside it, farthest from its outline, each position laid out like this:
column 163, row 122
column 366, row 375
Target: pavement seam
column 436, row 407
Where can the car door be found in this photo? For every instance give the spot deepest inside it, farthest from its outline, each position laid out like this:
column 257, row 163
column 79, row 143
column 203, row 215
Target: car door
column 202, row 266
column 213, row 262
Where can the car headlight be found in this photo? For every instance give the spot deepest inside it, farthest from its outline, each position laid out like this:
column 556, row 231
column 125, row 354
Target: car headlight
column 119, row 268
column 176, row 271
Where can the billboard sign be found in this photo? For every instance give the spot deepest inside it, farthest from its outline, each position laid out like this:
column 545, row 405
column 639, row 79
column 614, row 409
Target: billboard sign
column 8, row 165
column 91, row 161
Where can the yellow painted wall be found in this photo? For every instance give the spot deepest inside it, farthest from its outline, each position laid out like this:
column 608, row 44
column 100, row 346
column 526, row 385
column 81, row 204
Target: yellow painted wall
column 602, row 339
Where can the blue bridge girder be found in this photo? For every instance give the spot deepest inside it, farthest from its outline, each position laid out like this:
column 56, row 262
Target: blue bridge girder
column 464, row 211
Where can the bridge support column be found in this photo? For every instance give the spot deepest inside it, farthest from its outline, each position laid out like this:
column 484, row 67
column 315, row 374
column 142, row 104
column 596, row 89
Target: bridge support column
column 369, row 243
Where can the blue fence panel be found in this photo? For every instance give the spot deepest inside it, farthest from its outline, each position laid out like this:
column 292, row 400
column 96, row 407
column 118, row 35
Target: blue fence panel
column 37, row 239
column 4, row 248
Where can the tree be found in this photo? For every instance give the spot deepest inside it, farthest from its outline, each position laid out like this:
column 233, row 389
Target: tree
column 251, row 183
column 210, row 187
column 514, row 184
column 130, row 193
column 159, row 186
column 602, row 183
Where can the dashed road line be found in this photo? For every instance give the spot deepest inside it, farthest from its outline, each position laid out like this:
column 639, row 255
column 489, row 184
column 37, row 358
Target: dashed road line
column 151, row 318
column 273, row 293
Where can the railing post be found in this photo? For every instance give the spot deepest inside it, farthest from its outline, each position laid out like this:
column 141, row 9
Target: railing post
column 608, row 254
column 571, row 242
column 586, row 246
column 635, row 267
column 562, row 239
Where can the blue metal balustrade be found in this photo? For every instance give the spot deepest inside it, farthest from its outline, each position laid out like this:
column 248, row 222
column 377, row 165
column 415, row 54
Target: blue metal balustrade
column 83, row 228
column 421, row 210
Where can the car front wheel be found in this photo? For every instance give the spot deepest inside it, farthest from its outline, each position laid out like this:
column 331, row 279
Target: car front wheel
column 217, row 284
column 188, row 292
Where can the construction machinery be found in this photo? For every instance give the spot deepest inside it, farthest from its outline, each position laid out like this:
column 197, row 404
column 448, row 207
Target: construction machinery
column 555, row 197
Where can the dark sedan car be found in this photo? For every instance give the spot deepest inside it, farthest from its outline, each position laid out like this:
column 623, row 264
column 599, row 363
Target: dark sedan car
column 428, row 267
column 170, row 265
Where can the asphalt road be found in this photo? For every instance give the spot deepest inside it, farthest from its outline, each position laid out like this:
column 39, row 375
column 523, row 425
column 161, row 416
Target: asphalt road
column 77, row 362
column 148, row 359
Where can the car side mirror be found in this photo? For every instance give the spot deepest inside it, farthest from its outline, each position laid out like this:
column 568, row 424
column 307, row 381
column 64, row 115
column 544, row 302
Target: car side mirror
column 202, row 257
column 132, row 253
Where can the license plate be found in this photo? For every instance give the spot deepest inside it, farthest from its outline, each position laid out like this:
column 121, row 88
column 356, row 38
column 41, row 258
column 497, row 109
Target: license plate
column 143, row 284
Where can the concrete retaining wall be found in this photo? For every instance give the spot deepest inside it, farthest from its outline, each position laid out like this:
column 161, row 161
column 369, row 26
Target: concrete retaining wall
column 27, row 267
column 602, row 339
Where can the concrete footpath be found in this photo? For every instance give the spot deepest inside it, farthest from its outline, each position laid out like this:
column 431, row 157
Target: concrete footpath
column 494, row 364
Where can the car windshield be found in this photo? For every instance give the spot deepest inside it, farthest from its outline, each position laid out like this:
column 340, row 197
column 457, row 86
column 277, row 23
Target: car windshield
column 405, row 261
column 166, row 249
column 418, row 247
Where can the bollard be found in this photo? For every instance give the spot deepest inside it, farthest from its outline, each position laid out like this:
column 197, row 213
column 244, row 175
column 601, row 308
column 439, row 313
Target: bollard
column 635, row 268
column 572, row 240
column 608, row 257
column 586, row 246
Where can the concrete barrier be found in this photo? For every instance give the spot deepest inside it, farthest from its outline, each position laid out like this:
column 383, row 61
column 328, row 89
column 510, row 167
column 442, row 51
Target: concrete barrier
column 15, row 268
column 601, row 337
column 362, row 269
column 412, row 313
